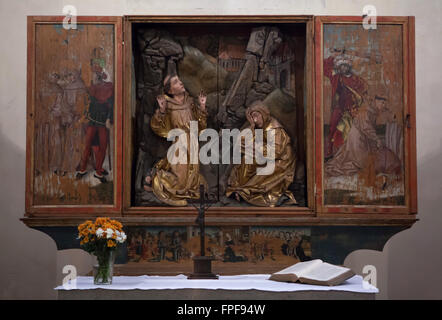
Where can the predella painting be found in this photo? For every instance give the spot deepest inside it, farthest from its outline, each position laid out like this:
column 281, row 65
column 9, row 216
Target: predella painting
column 234, row 248
column 218, row 81
column 363, row 112
column 74, row 115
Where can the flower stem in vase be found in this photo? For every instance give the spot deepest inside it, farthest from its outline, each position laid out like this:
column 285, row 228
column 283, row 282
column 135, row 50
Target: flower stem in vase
column 104, row 270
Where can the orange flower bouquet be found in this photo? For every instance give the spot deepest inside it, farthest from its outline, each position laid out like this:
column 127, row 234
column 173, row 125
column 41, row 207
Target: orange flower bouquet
column 101, row 238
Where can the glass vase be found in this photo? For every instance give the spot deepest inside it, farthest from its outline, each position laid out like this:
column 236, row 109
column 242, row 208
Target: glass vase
column 104, row 270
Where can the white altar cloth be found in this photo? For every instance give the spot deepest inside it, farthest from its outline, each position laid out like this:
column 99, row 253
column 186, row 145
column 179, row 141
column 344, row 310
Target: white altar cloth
column 238, row 282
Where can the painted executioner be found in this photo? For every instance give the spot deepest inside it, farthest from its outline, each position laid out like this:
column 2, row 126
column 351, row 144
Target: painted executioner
column 171, row 183
column 99, row 116
column 347, row 92
column 264, row 190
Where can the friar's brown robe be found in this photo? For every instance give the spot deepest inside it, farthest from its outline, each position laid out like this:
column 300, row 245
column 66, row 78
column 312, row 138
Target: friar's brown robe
column 174, row 183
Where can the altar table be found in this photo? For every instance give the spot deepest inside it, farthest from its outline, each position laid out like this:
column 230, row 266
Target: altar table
column 243, row 287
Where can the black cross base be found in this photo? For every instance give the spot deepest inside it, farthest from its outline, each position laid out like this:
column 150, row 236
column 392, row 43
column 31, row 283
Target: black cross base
column 202, row 268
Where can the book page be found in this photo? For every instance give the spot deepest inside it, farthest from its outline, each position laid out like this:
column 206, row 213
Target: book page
column 324, row 272
column 301, row 267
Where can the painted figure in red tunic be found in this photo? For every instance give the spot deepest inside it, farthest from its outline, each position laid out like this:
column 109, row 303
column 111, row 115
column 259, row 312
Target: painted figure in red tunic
column 100, row 116
column 347, row 92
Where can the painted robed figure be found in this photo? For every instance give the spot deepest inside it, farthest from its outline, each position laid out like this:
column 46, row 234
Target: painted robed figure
column 363, row 146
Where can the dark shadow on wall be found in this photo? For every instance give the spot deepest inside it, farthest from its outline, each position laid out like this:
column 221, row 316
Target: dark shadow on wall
column 415, row 259
column 28, row 257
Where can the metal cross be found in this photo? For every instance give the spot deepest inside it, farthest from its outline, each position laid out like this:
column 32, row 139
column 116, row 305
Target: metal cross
column 204, row 204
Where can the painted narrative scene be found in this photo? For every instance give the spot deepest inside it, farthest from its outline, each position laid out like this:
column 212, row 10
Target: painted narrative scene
column 220, row 80
column 74, row 115
column 235, row 249
column 363, row 112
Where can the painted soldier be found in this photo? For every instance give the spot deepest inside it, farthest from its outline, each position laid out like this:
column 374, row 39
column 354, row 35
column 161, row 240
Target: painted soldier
column 176, row 246
column 162, row 245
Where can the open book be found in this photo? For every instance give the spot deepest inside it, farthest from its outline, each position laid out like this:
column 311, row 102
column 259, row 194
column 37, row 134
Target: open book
column 314, row 272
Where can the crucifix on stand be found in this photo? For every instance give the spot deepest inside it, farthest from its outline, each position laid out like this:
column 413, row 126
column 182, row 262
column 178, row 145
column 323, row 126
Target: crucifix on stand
column 202, row 264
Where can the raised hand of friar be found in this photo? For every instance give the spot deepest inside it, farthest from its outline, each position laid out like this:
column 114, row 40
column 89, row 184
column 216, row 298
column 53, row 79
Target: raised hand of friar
column 250, row 119
column 162, row 103
column 202, row 98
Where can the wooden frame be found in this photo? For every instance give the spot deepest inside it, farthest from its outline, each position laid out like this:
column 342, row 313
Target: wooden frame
column 228, row 213
column 33, row 210
column 316, row 214
column 410, row 207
